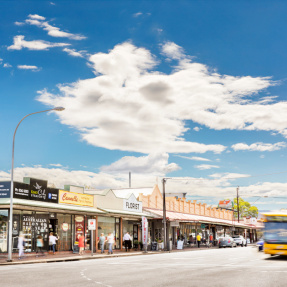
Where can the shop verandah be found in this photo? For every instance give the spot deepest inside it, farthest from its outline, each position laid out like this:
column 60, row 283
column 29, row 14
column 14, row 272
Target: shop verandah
column 185, row 227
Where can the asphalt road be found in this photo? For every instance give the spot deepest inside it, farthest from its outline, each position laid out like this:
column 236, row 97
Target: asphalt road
column 216, row 267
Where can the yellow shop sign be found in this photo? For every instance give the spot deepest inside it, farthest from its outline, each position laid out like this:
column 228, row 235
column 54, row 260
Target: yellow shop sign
column 75, row 198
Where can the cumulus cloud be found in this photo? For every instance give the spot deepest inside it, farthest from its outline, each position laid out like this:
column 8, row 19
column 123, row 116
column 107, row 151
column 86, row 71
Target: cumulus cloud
column 197, row 129
column 205, row 166
column 7, row 65
column 28, row 67
column 259, row 146
column 173, row 51
column 53, row 31
column 74, row 53
column 20, row 43
column 194, row 158
column 156, row 164
column 130, row 106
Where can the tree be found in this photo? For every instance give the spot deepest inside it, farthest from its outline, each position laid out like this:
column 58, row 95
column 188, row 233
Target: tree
column 245, row 209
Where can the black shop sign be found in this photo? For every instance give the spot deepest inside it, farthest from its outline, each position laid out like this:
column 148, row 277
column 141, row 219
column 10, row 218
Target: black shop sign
column 34, row 190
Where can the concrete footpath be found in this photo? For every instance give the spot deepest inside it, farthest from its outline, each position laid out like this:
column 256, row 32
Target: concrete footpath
column 32, row 258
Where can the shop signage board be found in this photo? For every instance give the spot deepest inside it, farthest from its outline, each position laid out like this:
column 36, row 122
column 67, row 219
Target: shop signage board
column 179, row 244
column 202, row 225
column 5, row 189
column 74, row 198
column 144, row 230
column 65, row 227
column 92, row 224
column 33, row 189
column 132, row 204
column 226, row 204
column 174, row 223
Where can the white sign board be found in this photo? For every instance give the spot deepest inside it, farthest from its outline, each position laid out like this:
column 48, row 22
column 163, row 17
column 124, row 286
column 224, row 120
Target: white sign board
column 179, row 244
column 144, row 230
column 132, row 204
column 92, row 224
column 174, row 223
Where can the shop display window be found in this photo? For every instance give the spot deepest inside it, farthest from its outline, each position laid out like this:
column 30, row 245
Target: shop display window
column 3, row 230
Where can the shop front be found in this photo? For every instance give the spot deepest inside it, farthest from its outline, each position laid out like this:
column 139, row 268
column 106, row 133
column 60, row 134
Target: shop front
column 37, row 212
column 123, row 214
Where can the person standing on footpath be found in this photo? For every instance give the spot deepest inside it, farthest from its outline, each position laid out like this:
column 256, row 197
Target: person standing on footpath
column 102, row 241
column 211, row 239
column 198, row 239
column 52, row 242
column 21, row 243
column 39, row 244
column 127, row 241
column 111, row 241
column 81, row 244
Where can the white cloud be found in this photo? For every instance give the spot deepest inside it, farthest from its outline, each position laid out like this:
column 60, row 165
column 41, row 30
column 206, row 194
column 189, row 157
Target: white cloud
column 259, row 146
column 7, row 65
column 74, row 53
column 37, row 17
column 149, row 110
column 52, row 3
column 194, row 158
column 1, row 60
column 173, row 51
column 55, row 164
column 156, row 164
column 197, row 129
column 19, row 23
column 53, row 31
column 137, row 14
column 20, row 43
column 28, row 67
column 262, row 156
column 205, row 166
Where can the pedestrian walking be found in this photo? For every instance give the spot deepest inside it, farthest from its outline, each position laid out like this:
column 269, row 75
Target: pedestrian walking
column 102, row 241
column 21, row 244
column 52, row 242
column 211, row 239
column 81, row 244
column 111, row 241
column 198, row 239
column 39, row 245
column 127, row 241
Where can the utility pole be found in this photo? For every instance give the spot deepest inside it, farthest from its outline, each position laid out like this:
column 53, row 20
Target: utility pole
column 164, row 213
column 237, row 189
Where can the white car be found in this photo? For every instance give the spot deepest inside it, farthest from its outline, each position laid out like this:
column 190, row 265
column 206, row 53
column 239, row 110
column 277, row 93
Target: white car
column 240, row 240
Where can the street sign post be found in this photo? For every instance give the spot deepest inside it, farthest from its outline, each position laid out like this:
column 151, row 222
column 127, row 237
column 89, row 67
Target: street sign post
column 92, row 227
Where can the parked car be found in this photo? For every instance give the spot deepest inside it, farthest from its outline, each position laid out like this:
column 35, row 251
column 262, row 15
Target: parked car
column 226, row 241
column 240, row 240
column 260, row 244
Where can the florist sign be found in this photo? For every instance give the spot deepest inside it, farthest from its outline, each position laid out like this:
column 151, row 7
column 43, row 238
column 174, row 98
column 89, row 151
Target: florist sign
column 68, row 197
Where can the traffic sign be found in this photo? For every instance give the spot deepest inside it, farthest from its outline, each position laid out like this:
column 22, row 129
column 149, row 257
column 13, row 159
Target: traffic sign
column 92, row 224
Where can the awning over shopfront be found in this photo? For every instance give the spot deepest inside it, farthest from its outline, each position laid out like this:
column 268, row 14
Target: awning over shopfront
column 184, row 217
column 124, row 212
column 4, row 202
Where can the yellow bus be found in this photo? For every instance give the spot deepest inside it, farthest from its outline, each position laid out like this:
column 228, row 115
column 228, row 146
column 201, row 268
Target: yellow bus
column 275, row 233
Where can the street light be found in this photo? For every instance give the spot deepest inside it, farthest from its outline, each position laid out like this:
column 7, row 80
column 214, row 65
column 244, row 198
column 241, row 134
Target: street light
column 59, row 109
column 166, row 246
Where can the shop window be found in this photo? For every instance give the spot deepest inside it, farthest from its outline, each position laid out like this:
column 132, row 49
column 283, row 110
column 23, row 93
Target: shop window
column 3, row 230
column 106, row 225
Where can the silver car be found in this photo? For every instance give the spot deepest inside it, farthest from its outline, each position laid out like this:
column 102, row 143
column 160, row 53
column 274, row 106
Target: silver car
column 226, row 241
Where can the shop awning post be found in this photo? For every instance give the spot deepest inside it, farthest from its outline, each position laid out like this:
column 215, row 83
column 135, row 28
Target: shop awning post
column 164, row 213
column 12, row 183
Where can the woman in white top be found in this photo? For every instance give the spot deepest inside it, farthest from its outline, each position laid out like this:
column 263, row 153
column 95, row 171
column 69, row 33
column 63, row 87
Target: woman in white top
column 110, row 240
column 21, row 242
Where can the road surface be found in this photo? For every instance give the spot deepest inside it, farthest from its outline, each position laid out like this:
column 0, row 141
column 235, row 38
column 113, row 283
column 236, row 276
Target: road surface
column 216, row 267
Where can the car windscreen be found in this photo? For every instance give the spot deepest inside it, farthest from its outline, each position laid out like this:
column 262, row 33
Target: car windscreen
column 275, row 232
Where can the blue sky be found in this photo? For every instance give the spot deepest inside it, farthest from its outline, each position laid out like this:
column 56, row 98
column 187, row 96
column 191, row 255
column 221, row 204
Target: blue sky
column 183, row 89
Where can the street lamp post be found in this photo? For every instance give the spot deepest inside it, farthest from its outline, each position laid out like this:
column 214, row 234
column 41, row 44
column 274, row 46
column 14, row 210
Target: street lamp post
column 166, row 246
column 12, row 184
